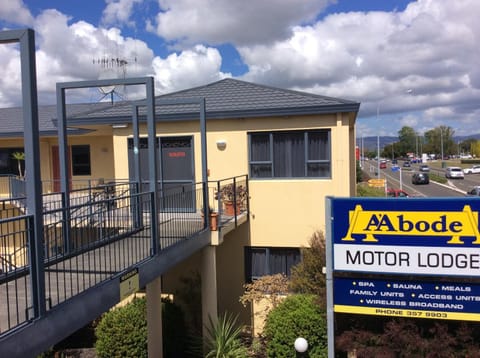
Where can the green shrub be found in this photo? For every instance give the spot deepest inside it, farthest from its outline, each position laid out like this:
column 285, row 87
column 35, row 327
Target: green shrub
column 365, row 191
column 122, row 332
column 297, row 316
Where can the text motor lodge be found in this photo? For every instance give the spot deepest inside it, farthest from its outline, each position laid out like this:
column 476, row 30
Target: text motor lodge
column 398, row 242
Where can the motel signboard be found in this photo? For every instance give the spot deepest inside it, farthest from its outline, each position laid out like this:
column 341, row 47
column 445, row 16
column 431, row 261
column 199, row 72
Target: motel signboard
column 412, row 257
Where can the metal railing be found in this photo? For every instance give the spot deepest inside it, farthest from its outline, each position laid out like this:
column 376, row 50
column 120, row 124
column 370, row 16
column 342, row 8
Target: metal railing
column 6, row 185
column 104, row 231
column 15, row 288
column 230, row 197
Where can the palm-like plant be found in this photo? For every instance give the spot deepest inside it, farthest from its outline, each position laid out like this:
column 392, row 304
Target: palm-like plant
column 223, row 338
column 19, row 156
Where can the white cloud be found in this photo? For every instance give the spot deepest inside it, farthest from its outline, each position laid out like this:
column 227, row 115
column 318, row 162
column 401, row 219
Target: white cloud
column 196, row 66
column 237, row 22
column 371, row 57
column 15, row 12
column 74, row 52
column 119, row 12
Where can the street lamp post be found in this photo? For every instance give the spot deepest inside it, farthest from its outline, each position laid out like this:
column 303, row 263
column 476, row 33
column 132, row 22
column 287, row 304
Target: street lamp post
column 441, row 141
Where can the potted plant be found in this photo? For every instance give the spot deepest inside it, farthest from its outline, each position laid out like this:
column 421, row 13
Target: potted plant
column 213, row 218
column 234, row 198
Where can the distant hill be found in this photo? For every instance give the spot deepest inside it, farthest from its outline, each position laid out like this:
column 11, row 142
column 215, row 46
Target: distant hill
column 370, row 143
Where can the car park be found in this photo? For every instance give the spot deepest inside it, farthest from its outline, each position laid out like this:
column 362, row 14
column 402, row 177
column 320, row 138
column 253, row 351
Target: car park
column 454, row 173
column 424, row 168
column 473, row 170
column 397, row 193
column 475, row 191
column 420, row 178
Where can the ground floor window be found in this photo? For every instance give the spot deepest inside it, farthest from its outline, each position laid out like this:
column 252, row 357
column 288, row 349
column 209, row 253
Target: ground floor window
column 262, row 261
column 8, row 164
column 81, row 160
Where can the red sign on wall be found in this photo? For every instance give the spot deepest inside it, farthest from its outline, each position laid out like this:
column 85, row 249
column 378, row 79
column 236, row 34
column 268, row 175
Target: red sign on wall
column 176, row 154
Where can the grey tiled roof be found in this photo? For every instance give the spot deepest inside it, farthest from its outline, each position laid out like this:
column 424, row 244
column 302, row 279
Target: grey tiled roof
column 11, row 119
column 229, row 98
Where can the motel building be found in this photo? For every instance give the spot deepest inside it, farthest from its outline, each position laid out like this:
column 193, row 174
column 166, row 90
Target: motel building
column 102, row 229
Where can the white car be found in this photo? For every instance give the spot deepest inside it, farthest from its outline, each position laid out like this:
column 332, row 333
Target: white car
column 454, row 173
column 473, row 170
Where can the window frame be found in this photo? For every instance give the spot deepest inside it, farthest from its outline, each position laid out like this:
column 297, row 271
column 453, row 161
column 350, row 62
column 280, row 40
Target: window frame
column 307, row 161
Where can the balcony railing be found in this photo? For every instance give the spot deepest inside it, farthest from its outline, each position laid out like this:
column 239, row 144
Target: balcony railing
column 105, row 230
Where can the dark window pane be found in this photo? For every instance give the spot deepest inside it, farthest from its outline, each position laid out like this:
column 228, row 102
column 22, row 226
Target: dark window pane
column 81, row 160
column 260, row 147
column 317, row 170
column 261, row 170
column 258, row 257
column 318, row 148
column 288, row 154
column 282, row 260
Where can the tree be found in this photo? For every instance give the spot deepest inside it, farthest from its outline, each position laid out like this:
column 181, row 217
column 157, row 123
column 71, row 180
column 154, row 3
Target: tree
column 19, row 157
column 308, row 276
column 407, row 140
column 359, row 172
column 271, row 288
column 440, row 140
column 474, row 148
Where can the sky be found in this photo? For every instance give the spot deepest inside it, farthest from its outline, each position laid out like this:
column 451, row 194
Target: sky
column 409, row 63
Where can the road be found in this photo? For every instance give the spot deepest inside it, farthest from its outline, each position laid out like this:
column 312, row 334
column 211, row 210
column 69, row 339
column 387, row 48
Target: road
column 402, row 179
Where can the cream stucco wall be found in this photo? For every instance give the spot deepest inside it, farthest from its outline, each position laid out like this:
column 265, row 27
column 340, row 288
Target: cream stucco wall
column 101, row 156
column 284, row 212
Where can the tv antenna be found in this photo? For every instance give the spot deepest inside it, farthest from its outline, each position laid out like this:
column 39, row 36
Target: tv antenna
column 112, row 67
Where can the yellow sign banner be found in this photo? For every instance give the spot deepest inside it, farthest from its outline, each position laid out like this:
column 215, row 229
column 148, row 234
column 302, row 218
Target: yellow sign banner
column 376, row 183
column 413, row 223
column 401, row 312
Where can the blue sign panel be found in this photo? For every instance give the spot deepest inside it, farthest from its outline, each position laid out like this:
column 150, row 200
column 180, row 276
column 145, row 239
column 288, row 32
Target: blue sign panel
column 413, row 236
column 455, row 301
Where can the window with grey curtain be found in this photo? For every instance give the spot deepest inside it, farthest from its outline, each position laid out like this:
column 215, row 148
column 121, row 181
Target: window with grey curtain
column 262, row 261
column 293, row 154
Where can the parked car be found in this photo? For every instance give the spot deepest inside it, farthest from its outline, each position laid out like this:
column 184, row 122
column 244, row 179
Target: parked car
column 475, row 191
column 454, row 173
column 420, row 178
column 397, row 193
column 473, row 170
column 424, row 168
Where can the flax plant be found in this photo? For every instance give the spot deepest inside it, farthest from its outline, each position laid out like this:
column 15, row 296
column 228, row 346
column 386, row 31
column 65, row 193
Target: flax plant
column 223, row 338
